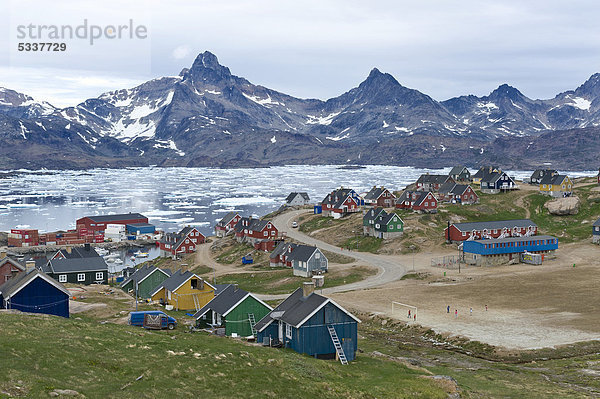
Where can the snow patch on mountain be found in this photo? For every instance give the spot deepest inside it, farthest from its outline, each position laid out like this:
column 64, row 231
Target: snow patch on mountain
column 321, row 120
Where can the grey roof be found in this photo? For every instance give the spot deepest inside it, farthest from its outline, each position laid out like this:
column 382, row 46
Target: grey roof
column 597, row 223
column 337, row 197
column 291, row 196
column 375, row 193
column 407, row 196
column 373, row 213
column 253, row 224
column 118, row 217
column 80, row 252
column 513, row 239
column 224, row 301
column 484, row 171
column 457, row 170
column 302, row 253
column 494, row 225
column 177, row 238
column 433, row 179
column 220, row 287
column 385, row 219
column 74, row 265
column 227, row 218
column 293, row 309
column 281, row 248
column 22, row 279
column 177, row 278
column 553, row 179
column 446, row 188
column 539, row 173
column 452, row 188
column 142, row 273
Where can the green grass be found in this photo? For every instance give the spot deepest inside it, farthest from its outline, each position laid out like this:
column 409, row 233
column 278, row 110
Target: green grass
column 363, row 243
column 282, row 281
column 234, row 254
column 202, row 269
column 337, row 258
column 568, row 228
column 106, row 360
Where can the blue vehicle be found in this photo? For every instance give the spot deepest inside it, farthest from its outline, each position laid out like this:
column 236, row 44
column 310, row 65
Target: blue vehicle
column 139, row 319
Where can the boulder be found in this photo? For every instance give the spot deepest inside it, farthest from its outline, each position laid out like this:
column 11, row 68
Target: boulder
column 563, row 206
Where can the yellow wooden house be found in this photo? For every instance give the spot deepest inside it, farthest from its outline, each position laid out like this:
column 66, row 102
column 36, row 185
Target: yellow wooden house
column 556, row 185
column 184, row 290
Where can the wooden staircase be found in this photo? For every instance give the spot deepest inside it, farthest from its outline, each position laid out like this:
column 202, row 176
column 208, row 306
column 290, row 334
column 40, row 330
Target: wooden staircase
column 338, row 346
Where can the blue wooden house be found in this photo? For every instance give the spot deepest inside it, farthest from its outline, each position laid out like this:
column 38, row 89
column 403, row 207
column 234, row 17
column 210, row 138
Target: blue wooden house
column 501, row 250
column 312, row 324
column 35, row 292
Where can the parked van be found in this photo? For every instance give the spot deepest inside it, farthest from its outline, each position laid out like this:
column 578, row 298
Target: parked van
column 166, row 321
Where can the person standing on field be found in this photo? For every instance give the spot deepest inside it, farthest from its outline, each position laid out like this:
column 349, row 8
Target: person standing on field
column 448, row 309
column 455, row 313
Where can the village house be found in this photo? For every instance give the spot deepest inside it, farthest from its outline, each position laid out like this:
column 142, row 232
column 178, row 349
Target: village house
column 184, row 291
column 71, row 252
column 539, row 174
column 311, row 324
column 556, row 185
column 252, row 230
column 483, row 172
column 307, row 260
column 86, row 271
column 381, row 197
column 297, row 199
column 458, row 194
column 35, row 292
column 495, row 182
column 418, row 201
column 432, row 183
column 596, row 232
column 502, row 250
column 98, row 223
column 233, row 309
column 369, row 220
column 340, row 202
column 278, row 257
column 225, row 226
column 460, row 174
column 184, row 242
column 9, row 268
column 144, row 280
column 494, row 229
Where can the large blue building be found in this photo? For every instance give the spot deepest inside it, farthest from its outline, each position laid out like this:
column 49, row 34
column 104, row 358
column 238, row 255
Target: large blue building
column 35, row 292
column 501, row 250
column 312, row 324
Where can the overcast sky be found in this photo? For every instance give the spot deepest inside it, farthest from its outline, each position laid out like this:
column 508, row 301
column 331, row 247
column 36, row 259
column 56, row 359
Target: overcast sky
column 316, row 49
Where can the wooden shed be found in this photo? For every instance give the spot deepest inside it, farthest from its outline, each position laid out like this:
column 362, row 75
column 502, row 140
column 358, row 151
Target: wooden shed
column 35, row 292
column 145, row 280
column 235, row 309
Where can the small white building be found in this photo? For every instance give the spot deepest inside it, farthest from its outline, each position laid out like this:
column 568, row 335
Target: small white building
column 115, row 232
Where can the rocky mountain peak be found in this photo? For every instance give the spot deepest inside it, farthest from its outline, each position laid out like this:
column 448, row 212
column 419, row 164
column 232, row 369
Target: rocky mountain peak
column 591, row 86
column 206, row 68
column 376, row 77
column 506, row 91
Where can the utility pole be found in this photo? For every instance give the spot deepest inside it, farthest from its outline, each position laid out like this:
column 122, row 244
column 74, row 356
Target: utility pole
column 136, row 296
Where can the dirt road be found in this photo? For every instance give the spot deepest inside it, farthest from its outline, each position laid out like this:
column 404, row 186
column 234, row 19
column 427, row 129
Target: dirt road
column 390, row 267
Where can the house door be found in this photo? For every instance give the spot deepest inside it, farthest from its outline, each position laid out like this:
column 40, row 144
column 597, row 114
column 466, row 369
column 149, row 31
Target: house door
column 280, row 334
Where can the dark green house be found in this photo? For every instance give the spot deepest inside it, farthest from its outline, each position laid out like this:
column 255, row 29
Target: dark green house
column 146, row 278
column 234, row 309
column 369, row 220
column 388, row 225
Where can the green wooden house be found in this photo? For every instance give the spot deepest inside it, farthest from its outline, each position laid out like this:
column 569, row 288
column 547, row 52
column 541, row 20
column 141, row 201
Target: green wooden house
column 147, row 278
column 234, row 309
column 388, row 225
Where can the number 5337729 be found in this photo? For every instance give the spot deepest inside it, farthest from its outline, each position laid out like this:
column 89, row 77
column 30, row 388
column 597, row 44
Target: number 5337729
column 42, row 46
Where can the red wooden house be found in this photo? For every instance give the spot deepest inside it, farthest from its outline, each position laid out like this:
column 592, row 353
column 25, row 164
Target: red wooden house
column 98, row 223
column 253, row 230
column 432, row 183
column 380, row 197
column 495, row 229
column 340, row 202
column 9, row 268
column 420, row 201
column 184, row 242
column 457, row 193
column 225, row 226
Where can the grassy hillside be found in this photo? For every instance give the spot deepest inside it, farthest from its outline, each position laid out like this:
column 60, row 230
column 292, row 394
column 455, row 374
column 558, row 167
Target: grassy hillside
column 107, row 360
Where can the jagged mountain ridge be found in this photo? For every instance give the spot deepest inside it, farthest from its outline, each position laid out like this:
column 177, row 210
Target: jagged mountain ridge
column 208, row 116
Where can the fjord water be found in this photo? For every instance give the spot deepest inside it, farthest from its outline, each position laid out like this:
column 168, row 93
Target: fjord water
column 175, row 197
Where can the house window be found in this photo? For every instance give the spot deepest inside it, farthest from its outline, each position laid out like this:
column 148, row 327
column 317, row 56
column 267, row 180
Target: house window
column 288, row 331
column 391, row 227
column 266, row 233
column 81, row 277
column 317, row 256
column 464, row 234
column 99, row 276
column 426, row 203
column 62, row 278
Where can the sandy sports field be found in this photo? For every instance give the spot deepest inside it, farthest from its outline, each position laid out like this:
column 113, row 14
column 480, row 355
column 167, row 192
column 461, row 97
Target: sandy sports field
column 528, row 306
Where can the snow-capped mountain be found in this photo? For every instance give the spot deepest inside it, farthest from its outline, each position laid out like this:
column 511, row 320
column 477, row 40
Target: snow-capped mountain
column 208, row 116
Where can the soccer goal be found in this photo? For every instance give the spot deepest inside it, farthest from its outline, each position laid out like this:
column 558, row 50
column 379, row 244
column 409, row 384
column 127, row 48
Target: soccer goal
column 403, row 307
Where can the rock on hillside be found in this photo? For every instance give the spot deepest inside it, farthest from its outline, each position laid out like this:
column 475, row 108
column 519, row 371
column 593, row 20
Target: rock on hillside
column 563, row 206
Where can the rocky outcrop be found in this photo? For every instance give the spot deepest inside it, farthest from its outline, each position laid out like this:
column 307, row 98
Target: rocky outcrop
column 563, row 206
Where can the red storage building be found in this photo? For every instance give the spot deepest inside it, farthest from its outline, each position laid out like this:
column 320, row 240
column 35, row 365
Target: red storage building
column 95, row 224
